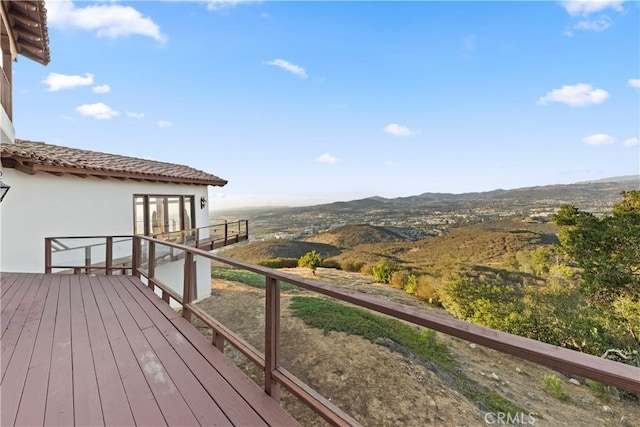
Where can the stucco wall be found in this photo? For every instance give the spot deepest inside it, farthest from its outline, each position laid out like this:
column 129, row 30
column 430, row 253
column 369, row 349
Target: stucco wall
column 7, row 132
column 45, row 205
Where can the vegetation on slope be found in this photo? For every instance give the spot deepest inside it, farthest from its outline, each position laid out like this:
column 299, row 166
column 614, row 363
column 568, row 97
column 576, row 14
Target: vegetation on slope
column 248, row 278
column 260, row 252
column 349, row 236
column 420, row 344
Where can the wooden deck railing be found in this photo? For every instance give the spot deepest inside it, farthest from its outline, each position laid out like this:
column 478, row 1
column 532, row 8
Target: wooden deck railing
column 608, row 372
column 206, row 238
column 5, row 94
column 211, row 236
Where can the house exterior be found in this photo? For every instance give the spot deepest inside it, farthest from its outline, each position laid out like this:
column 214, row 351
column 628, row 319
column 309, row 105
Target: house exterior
column 58, row 191
column 63, row 192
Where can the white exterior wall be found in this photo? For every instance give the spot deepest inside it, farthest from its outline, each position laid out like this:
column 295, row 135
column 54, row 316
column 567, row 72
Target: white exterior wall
column 45, row 205
column 7, row 131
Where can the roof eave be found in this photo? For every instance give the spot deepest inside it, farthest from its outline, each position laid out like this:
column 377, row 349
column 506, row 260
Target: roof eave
column 28, row 167
column 30, row 29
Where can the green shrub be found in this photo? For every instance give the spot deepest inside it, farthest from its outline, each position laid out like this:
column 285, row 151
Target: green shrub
column 427, row 289
column 351, row 265
column 601, row 391
column 331, row 263
column 311, row 260
column 555, row 387
column 510, row 261
column 382, row 272
column 399, row 279
column 411, row 284
column 367, row 269
column 248, row 278
column 280, row 263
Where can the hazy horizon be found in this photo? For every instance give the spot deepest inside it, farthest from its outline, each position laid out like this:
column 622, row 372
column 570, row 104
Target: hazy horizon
column 301, row 202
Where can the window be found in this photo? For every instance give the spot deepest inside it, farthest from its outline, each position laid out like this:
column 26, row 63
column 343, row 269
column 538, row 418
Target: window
column 162, row 214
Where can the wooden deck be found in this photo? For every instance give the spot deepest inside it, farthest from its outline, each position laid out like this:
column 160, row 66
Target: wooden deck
column 105, row 350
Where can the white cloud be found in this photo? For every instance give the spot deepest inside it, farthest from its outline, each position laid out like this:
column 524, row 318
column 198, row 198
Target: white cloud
column 327, row 158
column 634, row 83
column 597, row 25
column 598, row 139
column 224, row 4
column 106, row 20
column 102, row 89
column 587, row 7
column 164, row 123
column 398, row 130
column 98, row 111
column 134, row 115
column 288, row 66
column 575, row 96
column 631, row 142
column 58, row 82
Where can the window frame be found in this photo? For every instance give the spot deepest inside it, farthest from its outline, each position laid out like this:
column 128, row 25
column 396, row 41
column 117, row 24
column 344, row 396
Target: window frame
column 146, row 208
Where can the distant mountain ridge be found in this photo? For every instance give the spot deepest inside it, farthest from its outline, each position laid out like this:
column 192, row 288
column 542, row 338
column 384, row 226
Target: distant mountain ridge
column 553, row 195
column 568, row 193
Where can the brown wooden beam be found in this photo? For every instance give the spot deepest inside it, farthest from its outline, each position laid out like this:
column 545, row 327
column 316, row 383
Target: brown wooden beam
column 24, row 33
column 22, row 18
column 28, row 169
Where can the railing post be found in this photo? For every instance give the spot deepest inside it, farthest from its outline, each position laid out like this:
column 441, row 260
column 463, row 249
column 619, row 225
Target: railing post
column 109, row 255
column 197, row 237
column 152, row 264
column 136, row 256
column 226, row 232
column 246, row 228
column 218, row 341
column 47, row 255
column 187, row 285
column 87, row 259
column 272, row 337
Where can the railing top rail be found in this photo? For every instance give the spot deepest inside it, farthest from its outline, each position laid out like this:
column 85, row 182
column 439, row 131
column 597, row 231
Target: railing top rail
column 609, row 372
column 123, row 236
column 69, row 248
column 604, row 370
column 240, row 221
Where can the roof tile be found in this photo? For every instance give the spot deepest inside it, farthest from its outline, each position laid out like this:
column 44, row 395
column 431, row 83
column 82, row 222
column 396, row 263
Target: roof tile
column 39, row 156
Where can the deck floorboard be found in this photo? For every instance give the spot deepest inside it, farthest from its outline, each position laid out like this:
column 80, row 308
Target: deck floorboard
column 106, row 350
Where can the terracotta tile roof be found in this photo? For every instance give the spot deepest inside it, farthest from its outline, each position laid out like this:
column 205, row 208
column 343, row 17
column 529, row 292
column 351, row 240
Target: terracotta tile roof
column 29, row 24
column 32, row 157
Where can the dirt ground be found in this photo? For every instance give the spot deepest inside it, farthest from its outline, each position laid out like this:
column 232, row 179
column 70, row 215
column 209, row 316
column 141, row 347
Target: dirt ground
column 380, row 387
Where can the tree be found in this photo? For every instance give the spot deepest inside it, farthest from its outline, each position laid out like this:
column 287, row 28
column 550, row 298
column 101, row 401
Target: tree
column 382, row 272
column 608, row 251
column 311, row 260
column 540, row 260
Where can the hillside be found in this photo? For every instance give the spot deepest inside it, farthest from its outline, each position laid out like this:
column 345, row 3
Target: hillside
column 479, row 244
column 258, row 252
column 383, row 384
column 349, row 236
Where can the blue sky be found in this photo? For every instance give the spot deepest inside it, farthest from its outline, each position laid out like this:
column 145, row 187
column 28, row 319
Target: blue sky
column 301, row 103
